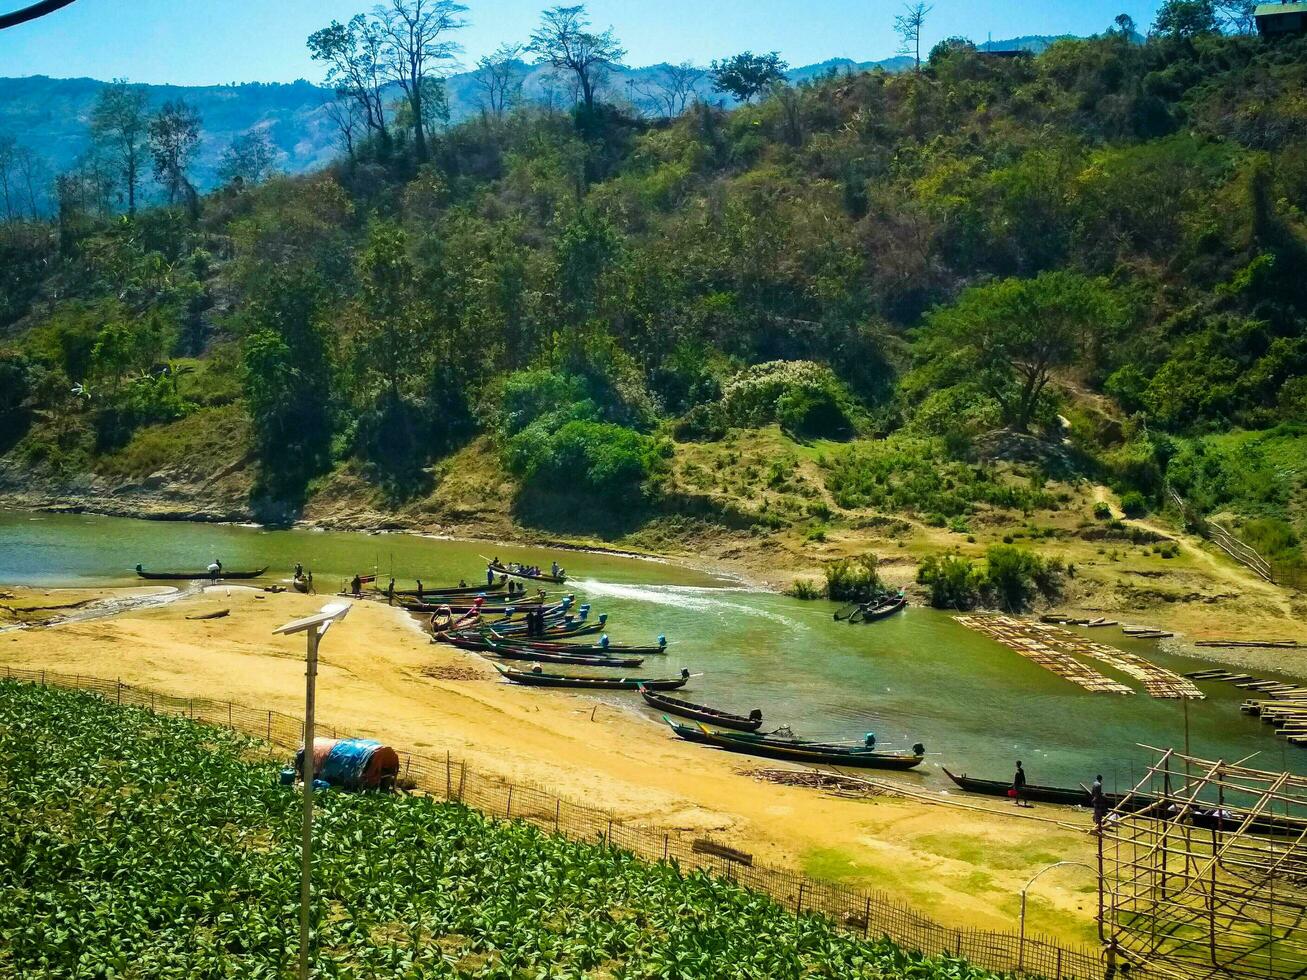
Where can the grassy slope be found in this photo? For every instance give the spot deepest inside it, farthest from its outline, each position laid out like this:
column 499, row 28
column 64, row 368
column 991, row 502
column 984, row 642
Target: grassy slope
column 141, row 845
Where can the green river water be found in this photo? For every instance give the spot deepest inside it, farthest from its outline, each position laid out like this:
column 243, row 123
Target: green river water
column 917, row 676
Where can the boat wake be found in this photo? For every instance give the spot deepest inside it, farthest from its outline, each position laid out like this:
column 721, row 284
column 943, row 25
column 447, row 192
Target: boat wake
column 703, row 599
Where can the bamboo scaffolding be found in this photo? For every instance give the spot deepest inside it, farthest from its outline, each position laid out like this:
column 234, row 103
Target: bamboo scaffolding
column 1220, row 900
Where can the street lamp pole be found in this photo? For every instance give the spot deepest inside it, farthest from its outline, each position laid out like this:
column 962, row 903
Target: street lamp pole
column 314, row 628
column 1021, row 940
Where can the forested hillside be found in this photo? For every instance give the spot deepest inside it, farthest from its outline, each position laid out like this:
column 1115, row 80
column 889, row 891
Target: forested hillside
column 1085, row 263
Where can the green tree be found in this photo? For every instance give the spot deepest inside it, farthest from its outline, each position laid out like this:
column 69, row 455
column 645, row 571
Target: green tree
column 1012, row 336
column 353, row 54
column 120, row 124
column 1186, row 19
column 908, row 26
column 745, row 75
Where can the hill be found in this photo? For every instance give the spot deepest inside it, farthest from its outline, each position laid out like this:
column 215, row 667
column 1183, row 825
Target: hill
column 49, row 115
column 1000, row 299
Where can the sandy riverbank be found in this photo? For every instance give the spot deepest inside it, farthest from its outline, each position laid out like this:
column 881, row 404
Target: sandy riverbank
column 961, row 866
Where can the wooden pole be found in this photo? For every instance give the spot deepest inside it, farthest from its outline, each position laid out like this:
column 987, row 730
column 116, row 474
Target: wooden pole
column 306, row 829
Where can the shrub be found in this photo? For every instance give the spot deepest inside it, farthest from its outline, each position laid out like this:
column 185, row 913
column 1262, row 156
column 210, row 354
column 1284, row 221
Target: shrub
column 1013, row 576
column 582, row 456
column 526, row 396
column 953, row 581
column 1133, row 504
column 804, row 397
column 804, row 589
column 852, row 579
column 1102, row 511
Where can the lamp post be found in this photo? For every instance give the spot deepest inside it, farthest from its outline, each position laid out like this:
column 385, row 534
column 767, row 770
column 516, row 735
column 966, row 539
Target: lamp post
column 314, row 628
column 1021, row 942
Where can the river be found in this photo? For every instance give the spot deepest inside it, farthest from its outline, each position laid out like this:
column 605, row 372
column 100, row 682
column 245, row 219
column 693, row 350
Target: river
column 917, row 676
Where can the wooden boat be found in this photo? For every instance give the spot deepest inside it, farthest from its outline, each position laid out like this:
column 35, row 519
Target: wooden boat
column 428, row 607
column 439, row 591
column 539, row 656
column 700, row 712
column 1204, row 815
column 1035, row 794
column 559, row 646
column 538, row 577
column 539, row 678
column 885, row 607
column 798, row 750
column 188, row 576
column 301, row 583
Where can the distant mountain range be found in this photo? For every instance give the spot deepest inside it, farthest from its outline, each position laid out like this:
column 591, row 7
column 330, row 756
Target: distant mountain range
column 49, row 115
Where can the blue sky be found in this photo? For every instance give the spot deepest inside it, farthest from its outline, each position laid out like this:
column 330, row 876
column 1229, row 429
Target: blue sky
column 194, row 42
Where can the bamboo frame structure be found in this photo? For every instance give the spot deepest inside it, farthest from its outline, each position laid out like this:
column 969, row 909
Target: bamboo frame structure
column 1204, row 870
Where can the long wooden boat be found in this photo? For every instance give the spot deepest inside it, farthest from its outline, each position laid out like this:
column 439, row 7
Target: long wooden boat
column 539, row 678
column 1204, row 815
column 1035, row 794
column 700, row 712
column 480, row 642
column 187, row 576
column 301, row 583
column 500, row 585
column 538, row 577
column 880, row 610
column 502, row 605
column 798, row 750
column 539, row 656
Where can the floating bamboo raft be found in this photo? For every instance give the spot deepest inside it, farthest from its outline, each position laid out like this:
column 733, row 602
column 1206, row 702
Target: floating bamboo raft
column 1284, row 704
column 1013, row 635
column 1258, row 644
column 1056, row 649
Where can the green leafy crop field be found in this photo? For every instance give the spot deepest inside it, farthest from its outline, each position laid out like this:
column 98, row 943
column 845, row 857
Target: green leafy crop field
column 133, row 845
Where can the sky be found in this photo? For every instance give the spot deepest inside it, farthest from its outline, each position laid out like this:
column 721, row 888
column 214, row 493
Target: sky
column 205, row 42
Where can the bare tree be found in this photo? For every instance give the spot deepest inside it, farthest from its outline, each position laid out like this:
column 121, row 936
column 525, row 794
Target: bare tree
column 31, row 173
column 499, row 77
column 673, row 88
column 1236, row 16
column 564, row 41
column 417, row 41
column 174, row 137
column 908, row 26
column 346, row 115
column 251, row 158
column 8, row 174
column 355, row 68
column 119, row 124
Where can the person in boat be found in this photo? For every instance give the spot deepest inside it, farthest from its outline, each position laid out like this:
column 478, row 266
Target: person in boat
column 462, row 583
column 1018, row 785
column 299, row 570
column 662, row 640
column 490, row 573
column 603, row 642
column 1097, row 800
column 356, row 585
column 869, row 740
column 553, row 569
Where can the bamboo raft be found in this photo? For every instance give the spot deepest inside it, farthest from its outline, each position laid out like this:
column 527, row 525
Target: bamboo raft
column 1056, row 649
column 1012, row 634
column 1284, row 704
column 1256, row 644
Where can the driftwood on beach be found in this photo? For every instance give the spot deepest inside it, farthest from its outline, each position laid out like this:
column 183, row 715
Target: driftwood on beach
column 217, row 614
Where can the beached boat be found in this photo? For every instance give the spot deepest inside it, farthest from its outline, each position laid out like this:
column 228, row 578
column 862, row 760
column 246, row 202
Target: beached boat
column 302, row 583
column 700, row 712
column 884, row 607
column 480, row 642
column 186, row 576
column 539, row 678
column 440, row 591
column 520, row 572
column 799, row 750
column 502, row 605
column 1035, row 794
column 540, row 656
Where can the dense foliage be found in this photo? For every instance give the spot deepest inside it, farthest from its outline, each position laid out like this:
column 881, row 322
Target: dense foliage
column 1010, row 578
column 1100, row 246
column 135, row 845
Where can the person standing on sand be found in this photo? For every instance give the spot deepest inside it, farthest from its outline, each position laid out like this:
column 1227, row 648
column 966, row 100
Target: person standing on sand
column 356, row 585
column 390, row 592
column 1018, row 785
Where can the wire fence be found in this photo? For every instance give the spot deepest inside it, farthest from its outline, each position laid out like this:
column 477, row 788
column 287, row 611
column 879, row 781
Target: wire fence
column 869, row 915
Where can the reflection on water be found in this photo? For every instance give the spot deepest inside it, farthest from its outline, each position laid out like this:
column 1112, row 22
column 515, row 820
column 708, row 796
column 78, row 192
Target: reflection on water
column 917, row 676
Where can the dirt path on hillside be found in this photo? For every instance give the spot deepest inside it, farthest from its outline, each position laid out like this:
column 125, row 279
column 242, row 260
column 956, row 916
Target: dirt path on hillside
column 961, row 866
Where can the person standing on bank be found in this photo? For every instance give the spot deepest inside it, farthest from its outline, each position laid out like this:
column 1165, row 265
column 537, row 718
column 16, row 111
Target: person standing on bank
column 1019, row 785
